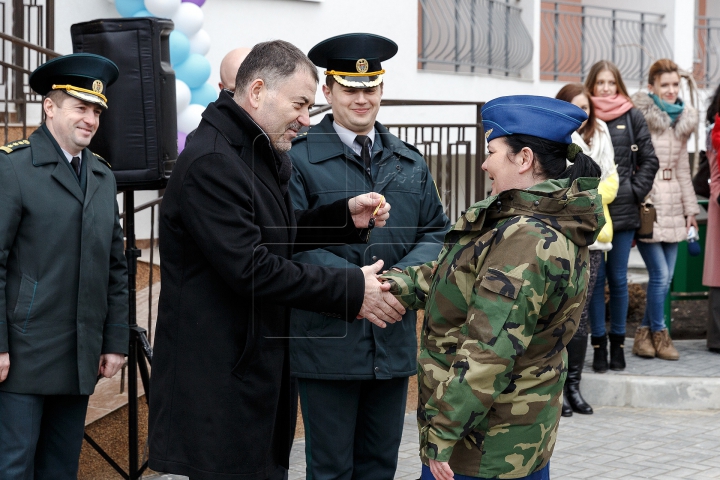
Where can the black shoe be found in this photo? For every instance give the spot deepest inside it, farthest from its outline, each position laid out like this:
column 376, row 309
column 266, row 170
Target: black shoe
column 714, row 350
column 600, row 355
column 617, row 355
column 577, row 348
column 566, row 408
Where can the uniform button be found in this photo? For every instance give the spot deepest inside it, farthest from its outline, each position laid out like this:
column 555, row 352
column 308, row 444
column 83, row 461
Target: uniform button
column 374, row 257
column 536, row 202
column 377, row 369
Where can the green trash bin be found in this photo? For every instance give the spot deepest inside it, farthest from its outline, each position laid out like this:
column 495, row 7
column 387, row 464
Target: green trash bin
column 687, row 279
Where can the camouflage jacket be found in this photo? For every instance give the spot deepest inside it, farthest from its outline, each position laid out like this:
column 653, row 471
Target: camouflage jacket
column 501, row 302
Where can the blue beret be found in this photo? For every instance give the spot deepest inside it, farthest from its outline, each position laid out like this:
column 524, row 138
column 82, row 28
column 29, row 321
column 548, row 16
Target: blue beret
column 541, row 117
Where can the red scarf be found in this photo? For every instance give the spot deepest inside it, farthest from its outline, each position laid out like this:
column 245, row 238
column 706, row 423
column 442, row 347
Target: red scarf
column 610, row 108
column 715, row 136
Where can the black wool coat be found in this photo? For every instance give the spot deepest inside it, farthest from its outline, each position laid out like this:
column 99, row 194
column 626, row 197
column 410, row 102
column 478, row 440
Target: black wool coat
column 634, row 185
column 221, row 405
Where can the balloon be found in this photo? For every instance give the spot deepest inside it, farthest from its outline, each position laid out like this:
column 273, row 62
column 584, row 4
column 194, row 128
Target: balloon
column 204, row 95
column 162, row 8
column 188, row 19
column 200, row 42
column 179, row 48
column 189, row 119
column 182, row 137
column 128, row 8
column 199, row 3
column 182, row 95
column 194, row 71
column 143, row 13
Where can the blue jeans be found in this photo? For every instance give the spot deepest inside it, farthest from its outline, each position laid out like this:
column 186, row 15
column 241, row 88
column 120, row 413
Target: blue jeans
column 659, row 260
column 615, row 270
column 543, row 474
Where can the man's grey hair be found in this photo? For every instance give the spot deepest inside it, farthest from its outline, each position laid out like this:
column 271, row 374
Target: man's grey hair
column 272, row 62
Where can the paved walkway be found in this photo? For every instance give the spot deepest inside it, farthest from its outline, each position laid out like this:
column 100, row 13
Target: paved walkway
column 613, row 443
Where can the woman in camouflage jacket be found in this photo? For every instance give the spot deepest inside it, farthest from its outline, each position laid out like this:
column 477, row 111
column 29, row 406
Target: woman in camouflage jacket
column 504, row 298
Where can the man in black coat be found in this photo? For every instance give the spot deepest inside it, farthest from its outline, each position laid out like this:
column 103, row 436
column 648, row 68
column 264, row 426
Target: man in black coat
column 63, row 275
column 222, row 405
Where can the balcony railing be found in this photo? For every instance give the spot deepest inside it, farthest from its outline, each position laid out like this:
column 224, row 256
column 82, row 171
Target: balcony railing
column 576, row 36
column 486, row 36
column 707, row 51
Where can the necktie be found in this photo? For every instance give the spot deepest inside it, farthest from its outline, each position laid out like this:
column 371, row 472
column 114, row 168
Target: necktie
column 365, row 142
column 75, row 162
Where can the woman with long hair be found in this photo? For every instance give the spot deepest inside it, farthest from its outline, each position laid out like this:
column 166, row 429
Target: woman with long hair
column 501, row 302
column 636, row 166
column 594, row 138
column 671, row 122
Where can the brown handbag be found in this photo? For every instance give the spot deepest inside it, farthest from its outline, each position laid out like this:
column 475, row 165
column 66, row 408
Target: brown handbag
column 648, row 215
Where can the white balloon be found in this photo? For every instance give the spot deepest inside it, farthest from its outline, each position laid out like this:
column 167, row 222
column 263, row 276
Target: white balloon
column 189, row 119
column 200, row 42
column 188, row 18
column 162, row 8
column 182, row 95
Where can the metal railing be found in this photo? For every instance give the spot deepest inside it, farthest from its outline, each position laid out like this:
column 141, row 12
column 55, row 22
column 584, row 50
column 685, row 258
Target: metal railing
column 576, row 36
column 453, row 152
column 486, row 36
column 707, row 51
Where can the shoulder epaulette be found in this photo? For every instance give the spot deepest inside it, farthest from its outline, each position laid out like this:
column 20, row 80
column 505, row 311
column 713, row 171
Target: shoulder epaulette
column 300, row 136
column 412, row 147
column 102, row 160
column 12, row 146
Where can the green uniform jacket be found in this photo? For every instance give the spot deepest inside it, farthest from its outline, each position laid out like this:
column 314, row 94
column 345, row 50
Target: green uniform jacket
column 63, row 275
column 325, row 170
column 502, row 301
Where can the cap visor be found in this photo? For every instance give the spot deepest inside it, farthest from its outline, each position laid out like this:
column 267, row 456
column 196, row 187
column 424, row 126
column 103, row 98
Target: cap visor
column 86, row 97
column 359, row 82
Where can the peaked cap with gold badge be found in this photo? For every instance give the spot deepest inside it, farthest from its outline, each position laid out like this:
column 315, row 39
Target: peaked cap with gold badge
column 353, row 59
column 82, row 75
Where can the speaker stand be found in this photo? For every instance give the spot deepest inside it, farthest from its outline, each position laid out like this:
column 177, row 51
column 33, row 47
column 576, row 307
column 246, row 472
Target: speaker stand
column 138, row 345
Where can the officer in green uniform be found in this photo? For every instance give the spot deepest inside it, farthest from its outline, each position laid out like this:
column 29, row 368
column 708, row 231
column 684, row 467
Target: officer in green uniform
column 63, row 275
column 504, row 298
column 353, row 377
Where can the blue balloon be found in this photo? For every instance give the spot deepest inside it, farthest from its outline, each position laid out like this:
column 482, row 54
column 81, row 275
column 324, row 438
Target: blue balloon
column 203, row 95
column 179, row 47
column 194, row 71
column 128, row 8
column 143, row 13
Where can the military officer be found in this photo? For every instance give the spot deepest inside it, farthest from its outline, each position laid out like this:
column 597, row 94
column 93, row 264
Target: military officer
column 353, row 378
column 504, row 298
column 63, row 275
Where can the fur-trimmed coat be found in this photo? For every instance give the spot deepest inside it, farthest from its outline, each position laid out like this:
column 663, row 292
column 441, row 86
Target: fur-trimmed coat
column 672, row 192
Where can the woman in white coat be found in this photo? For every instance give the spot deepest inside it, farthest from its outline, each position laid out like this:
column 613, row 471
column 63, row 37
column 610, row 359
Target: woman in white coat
column 671, row 122
column 594, row 138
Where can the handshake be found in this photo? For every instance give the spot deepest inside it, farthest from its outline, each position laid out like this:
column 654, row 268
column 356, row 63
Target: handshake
column 379, row 305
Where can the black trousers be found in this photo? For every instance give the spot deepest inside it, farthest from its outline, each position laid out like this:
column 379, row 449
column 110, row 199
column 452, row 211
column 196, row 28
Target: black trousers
column 713, row 324
column 353, row 428
column 41, row 436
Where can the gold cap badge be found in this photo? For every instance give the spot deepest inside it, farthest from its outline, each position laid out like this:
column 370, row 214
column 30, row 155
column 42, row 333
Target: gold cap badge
column 97, row 86
column 361, row 65
column 488, row 133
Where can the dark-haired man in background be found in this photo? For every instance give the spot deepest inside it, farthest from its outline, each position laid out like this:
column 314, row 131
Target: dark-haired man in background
column 222, row 404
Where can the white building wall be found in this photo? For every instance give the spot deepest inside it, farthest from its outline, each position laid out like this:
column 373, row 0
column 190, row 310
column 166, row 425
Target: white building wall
column 236, row 23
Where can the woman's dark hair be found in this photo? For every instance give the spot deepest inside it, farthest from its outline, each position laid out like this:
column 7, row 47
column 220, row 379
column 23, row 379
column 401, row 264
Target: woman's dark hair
column 550, row 158
column 600, row 66
column 713, row 107
column 572, row 90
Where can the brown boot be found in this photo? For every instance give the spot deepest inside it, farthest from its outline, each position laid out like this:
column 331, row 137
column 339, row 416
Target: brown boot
column 663, row 346
column 643, row 344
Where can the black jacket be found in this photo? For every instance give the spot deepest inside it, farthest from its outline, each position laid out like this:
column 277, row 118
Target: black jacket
column 221, row 404
column 624, row 210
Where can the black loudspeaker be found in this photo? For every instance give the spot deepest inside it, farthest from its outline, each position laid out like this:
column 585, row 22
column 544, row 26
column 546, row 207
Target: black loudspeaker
column 138, row 131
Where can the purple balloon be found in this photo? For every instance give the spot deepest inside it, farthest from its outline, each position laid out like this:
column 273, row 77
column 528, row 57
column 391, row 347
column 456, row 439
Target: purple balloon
column 199, row 3
column 181, row 141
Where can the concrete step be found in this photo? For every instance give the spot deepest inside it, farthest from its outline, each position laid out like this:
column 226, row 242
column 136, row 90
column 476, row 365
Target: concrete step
column 691, row 383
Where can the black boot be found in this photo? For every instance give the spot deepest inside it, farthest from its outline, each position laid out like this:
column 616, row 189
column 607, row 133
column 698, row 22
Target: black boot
column 600, row 355
column 617, row 356
column 577, row 348
column 566, row 408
